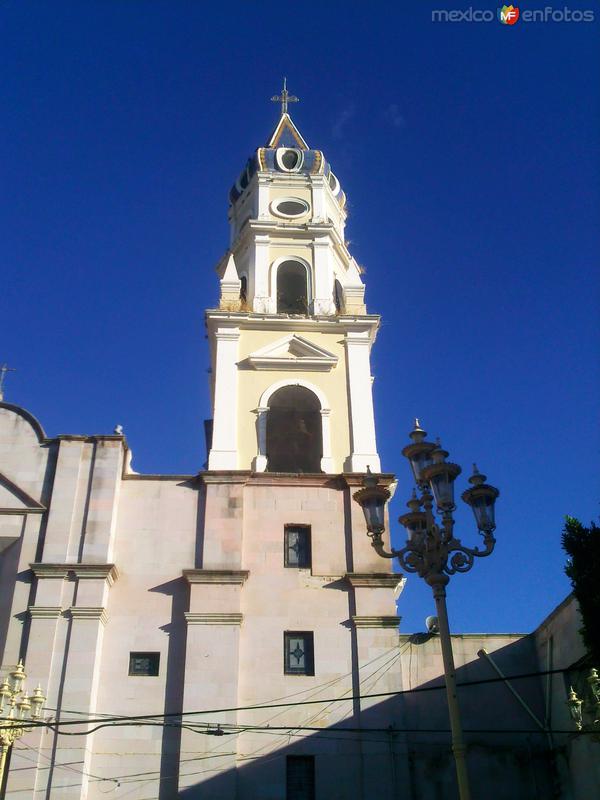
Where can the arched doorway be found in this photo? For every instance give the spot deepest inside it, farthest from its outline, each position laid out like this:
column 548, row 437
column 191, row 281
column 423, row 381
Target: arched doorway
column 292, row 288
column 294, row 431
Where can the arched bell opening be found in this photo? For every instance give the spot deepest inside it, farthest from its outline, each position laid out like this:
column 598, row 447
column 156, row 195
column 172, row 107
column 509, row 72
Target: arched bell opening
column 338, row 296
column 294, row 435
column 292, row 288
column 243, row 288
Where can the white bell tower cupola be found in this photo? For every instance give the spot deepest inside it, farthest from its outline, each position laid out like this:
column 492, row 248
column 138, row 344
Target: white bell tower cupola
column 291, row 313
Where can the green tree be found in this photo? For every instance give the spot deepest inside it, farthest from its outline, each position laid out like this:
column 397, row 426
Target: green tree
column 582, row 546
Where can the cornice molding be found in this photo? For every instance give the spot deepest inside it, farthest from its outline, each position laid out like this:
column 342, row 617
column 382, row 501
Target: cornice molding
column 194, row 618
column 376, row 622
column 221, row 576
column 88, row 612
column 136, row 476
column 44, row 612
column 321, row 323
column 374, row 580
column 108, row 572
column 49, row 570
column 355, row 479
column 330, row 480
column 224, row 476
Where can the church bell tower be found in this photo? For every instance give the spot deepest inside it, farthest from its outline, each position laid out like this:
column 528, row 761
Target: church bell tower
column 208, row 598
column 291, row 338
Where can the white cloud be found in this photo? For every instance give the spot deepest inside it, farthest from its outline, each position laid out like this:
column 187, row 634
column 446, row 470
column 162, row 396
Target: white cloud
column 344, row 117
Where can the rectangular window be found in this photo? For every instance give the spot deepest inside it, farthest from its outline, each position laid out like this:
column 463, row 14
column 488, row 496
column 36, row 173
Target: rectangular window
column 300, row 778
column 144, row 663
column 297, row 546
column 298, row 653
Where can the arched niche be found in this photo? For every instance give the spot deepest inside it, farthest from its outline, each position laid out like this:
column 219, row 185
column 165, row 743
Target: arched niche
column 292, row 286
column 293, row 429
column 243, row 290
column 338, row 296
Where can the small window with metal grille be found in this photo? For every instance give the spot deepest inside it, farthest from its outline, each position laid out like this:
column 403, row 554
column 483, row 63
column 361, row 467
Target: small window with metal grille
column 298, row 653
column 297, row 546
column 144, row 664
column 300, row 778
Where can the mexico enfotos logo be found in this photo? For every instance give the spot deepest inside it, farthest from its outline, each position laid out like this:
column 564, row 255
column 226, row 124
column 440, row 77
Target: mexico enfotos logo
column 509, row 15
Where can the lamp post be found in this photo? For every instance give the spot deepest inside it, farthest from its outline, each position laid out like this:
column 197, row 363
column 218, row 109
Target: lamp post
column 16, row 708
column 432, row 550
column 586, row 713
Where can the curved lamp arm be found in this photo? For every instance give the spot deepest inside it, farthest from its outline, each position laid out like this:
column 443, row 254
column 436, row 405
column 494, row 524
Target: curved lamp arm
column 432, row 554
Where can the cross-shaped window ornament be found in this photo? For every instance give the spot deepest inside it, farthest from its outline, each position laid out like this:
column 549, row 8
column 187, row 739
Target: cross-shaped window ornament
column 298, row 653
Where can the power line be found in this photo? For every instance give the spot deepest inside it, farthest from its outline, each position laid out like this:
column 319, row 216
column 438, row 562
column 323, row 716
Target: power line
column 272, row 756
column 220, row 729
column 318, row 733
column 264, row 704
column 64, row 766
column 396, row 653
column 180, row 714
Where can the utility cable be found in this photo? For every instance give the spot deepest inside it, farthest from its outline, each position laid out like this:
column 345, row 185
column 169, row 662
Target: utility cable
column 316, row 733
column 180, row 714
column 312, row 692
column 263, row 704
column 321, row 711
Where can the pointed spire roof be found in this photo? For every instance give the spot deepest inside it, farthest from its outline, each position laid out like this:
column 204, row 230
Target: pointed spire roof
column 286, row 134
column 273, row 158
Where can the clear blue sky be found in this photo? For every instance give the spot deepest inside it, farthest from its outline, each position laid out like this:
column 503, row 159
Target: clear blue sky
column 469, row 154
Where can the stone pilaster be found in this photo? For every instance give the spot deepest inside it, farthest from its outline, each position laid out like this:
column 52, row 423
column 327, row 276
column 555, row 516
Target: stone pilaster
column 43, row 663
column 376, row 630
column 67, row 626
column 98, row 542
column 223, row 453
column 212, row 669
column 362, row 420
column 224, row 513
column 323, row 269
column 262, row 302
column 71, row 475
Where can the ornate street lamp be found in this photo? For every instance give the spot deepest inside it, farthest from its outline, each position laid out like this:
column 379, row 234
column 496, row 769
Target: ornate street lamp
column 586, row 713
column 432, row 550
column 16, row 708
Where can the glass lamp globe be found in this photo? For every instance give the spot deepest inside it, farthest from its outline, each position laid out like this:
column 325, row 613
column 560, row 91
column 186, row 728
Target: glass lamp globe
column 372, row 499
column 418, row 452
column 482, row 499
column 441, row 475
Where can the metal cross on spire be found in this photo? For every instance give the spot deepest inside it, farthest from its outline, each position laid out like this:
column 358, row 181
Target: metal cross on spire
column 4, row 368
column 284, row 98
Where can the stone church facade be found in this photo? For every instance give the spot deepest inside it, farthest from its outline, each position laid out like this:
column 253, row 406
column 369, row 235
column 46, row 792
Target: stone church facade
column 249, row 582
column 232, row 635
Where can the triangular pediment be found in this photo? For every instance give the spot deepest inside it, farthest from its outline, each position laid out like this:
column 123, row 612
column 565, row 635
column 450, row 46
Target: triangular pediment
column 286, row 134
column 15, row 503
column 293, row 352
column 12, row 497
